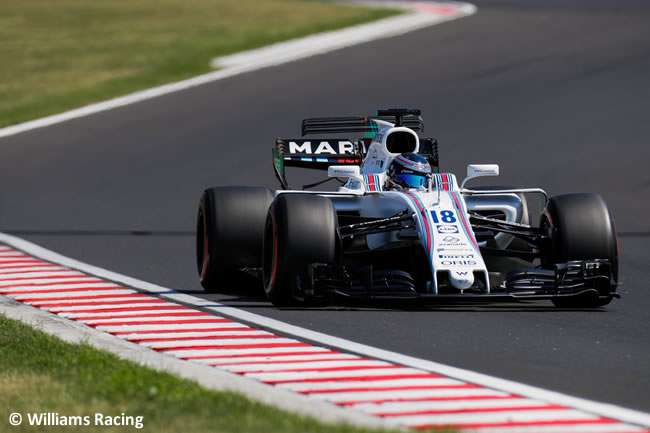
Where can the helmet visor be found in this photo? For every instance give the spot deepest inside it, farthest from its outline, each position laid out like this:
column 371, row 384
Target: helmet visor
column 412, row 180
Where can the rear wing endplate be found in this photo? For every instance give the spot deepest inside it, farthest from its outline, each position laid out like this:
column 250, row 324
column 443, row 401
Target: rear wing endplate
column 316, row 154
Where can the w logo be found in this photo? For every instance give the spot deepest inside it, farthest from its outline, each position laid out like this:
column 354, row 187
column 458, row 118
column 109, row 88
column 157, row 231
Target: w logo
column 461, row 273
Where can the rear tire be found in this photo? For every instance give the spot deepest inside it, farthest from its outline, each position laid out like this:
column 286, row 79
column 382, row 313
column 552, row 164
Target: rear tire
column 300, row 230
column 230, row 234
column 581, row 228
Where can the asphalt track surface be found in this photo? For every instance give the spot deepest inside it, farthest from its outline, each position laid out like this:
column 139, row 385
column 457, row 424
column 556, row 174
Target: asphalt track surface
column 555, row 92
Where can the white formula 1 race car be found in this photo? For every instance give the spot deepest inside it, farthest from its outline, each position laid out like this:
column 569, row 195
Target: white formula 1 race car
column 398, row 228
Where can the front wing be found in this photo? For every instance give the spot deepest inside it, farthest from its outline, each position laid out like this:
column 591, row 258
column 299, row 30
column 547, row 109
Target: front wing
column 568, row 280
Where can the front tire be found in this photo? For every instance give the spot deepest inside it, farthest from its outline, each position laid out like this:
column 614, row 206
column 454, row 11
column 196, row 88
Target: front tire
column 300, row 230
column 230, row 234
column 581, row 228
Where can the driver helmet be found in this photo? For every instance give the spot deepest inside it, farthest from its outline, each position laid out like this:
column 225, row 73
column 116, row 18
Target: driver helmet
column 410, row 170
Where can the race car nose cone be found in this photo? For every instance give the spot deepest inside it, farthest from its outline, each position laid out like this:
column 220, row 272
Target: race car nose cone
column 461, row 279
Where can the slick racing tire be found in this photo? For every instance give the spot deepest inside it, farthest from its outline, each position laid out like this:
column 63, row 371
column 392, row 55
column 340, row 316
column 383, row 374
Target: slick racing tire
column 230, row 234
column 300, row 230
column 581, row 228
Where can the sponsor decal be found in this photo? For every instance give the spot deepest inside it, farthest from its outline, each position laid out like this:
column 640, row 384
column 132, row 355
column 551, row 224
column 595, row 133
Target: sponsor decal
column 444, row 181
column 455, row 249
column 333, row 147
column 460, row 207
column 446, row 217
column 462, row 273
column 447, row 229
column 343, row 171
column 455, row 256
column 372, row 182
column 458, row 262
column 451, row 239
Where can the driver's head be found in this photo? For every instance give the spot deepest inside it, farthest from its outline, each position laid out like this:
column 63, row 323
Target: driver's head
column 410, row 170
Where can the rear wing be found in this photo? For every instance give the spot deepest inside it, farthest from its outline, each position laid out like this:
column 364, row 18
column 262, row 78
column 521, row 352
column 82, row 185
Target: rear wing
column 320, row 153
column 366, row 124
column 317, row 154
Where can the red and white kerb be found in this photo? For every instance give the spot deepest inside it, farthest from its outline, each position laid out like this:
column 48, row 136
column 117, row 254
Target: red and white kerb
column 403, row 395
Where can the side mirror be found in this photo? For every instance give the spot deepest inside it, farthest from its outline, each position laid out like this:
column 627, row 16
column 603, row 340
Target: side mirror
column 479, row 170
column 349, row 171
column 344, row 171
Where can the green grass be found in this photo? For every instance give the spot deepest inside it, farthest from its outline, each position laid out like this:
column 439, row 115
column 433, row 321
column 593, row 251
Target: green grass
column 58, row 55
column 41, row 373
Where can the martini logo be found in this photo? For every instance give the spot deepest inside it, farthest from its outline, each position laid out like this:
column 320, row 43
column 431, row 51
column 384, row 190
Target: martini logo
column 447, row 229
column 333, row 147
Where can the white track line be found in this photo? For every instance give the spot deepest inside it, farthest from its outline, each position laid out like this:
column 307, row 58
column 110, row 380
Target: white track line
column 249, row 61
column 289, row 51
